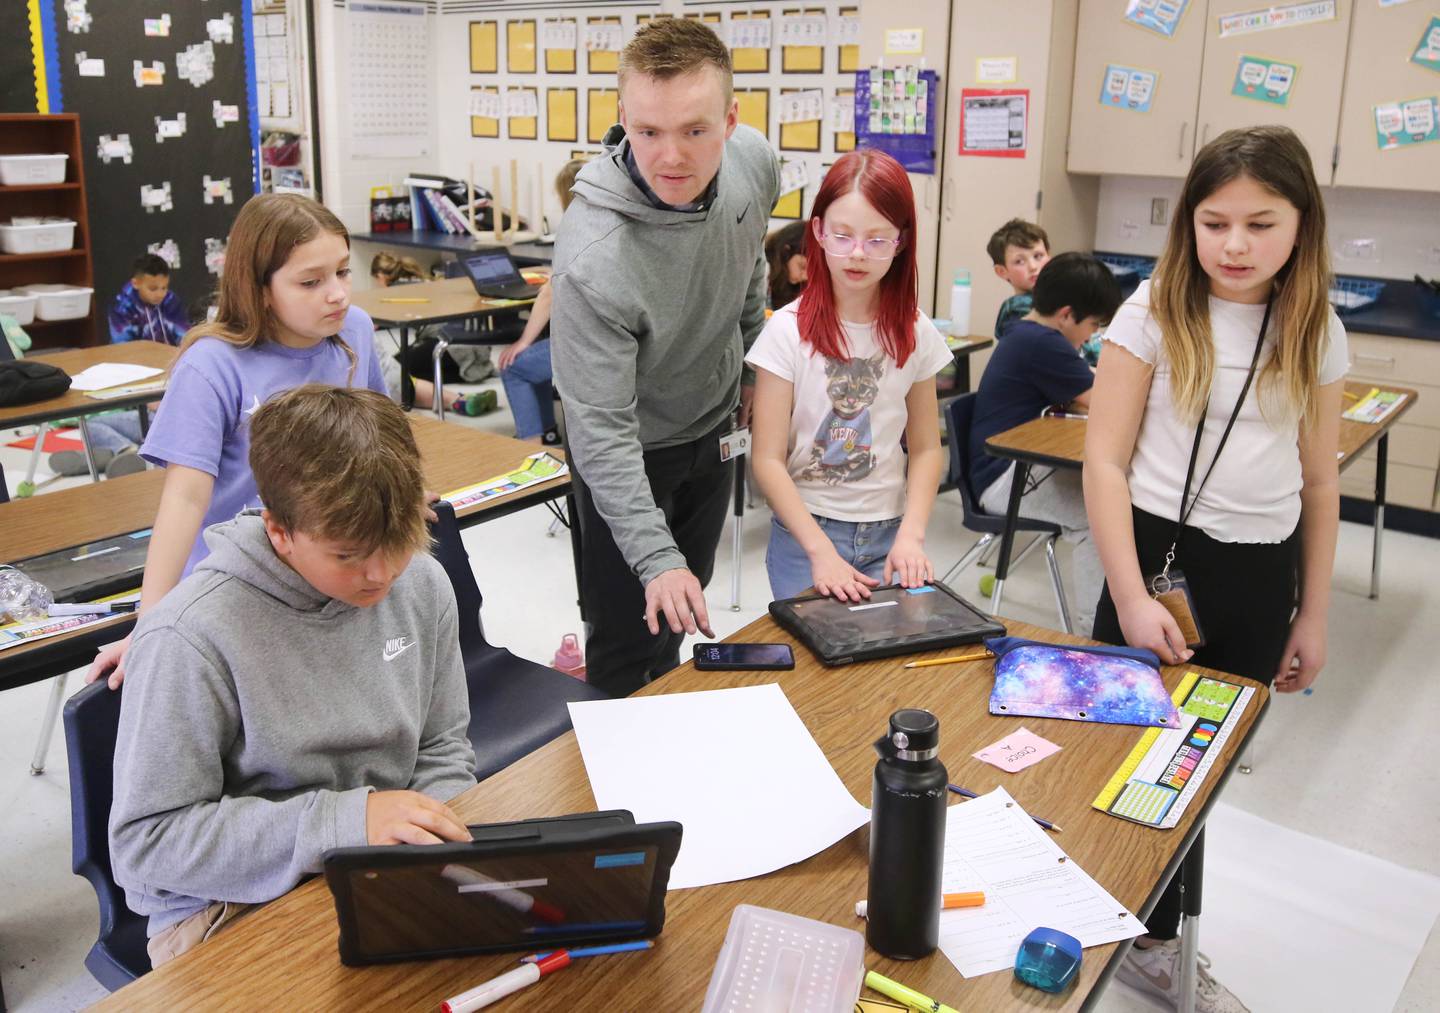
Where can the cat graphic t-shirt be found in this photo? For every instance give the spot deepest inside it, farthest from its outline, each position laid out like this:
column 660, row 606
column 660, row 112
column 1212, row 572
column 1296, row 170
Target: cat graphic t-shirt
column 844, row 450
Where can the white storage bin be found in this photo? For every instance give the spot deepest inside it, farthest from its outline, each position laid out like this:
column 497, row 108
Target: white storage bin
column 32, row 170
column 45, row 236
column 20, row 305
column 60, row 302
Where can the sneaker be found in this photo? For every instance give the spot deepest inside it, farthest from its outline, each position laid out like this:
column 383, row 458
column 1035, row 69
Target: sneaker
column 1153, row 972
column 71, row 463
column 127, row 462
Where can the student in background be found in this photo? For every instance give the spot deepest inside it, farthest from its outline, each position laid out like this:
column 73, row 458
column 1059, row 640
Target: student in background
column 262, row 723
column 284, row 319
column 1018, row 249
column 841, row 376
column 1036, row 366
column 145, row 309
column 524, row 365
column 1247, row 243
column 785, row 252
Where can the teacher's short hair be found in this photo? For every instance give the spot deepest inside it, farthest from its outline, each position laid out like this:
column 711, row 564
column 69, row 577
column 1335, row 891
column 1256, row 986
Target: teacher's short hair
column 673, row 47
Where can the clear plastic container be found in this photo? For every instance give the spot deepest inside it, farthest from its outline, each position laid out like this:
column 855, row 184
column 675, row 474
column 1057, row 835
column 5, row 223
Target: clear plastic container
column 60, row 302
column 20, row 305
column 773, row 962
column 32, row 170
column 37, row 236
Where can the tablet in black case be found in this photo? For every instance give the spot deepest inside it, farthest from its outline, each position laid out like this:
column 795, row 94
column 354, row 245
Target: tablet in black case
column 534, row 885
column 893, row 620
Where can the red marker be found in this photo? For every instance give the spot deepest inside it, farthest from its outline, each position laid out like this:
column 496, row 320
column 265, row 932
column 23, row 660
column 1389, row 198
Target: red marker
column 507, row 984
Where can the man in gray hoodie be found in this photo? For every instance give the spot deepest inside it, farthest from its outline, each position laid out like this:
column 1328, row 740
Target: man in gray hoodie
column 302, row 690
column 659, row 287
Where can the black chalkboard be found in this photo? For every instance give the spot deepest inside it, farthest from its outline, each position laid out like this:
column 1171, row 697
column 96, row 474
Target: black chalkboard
column 113, row 105
column 17, row 72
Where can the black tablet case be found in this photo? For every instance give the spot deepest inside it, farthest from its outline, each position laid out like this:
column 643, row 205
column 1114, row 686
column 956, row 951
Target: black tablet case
column 553, row 836
column 840, row 633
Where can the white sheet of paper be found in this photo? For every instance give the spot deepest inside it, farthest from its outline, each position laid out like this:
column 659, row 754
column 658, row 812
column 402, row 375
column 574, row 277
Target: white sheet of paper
column 991, row 844
column 111, row 374
column 736, row 767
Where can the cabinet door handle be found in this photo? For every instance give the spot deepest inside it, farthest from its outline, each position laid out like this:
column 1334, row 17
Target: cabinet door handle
column 949, row 188
column 1205, row 135
column 1180, row 151
column 929, row 193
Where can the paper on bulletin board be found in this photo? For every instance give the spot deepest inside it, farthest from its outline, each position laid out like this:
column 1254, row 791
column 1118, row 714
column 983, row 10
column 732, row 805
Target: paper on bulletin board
column 904, row 41
column 562, row 114
column 1128, row 88
column 750, row 40
column 604, row 38
column 1162, row 16
column 602, row 113
column 520, row 47
column 484, row 47
column 1264, row 80
column 558, row 39
column 847, row 37
column 1267, row 19
column 842, row 119
column 802, row 41
column 1402, row 124
column 997, row 70
column 484, row 112
column 994, row 122
column 755, row 108
column 1427, row 53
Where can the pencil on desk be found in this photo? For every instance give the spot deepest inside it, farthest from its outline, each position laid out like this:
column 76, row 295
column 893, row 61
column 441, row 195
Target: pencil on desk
column 953, row 660
column 1352, row 397
column 967, row 793
column 404, row 299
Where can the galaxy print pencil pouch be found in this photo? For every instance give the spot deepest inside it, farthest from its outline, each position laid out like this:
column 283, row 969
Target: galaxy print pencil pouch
column 1111, row 685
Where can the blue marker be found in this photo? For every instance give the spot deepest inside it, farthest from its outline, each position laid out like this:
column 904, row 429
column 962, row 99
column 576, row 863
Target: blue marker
column 595, row 951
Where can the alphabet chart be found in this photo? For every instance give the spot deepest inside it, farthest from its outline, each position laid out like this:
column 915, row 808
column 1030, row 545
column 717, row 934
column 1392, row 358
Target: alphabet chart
column 390, row 64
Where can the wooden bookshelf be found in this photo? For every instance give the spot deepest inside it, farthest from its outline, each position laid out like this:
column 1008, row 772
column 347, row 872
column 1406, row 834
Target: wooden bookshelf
column 33, row 134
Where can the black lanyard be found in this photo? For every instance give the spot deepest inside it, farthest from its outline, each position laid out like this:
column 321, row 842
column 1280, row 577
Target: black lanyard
column 1200, row 432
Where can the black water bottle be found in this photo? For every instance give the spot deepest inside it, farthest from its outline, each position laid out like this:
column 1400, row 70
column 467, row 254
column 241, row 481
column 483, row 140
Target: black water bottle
column 907, row 838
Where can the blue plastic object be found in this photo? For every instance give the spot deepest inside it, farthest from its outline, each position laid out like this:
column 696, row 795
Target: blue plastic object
column 1048, row 959
column 1120, row 264
column 1350, row 294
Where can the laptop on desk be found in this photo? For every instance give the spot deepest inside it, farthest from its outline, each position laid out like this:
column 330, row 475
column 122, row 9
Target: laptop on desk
column 495, row 276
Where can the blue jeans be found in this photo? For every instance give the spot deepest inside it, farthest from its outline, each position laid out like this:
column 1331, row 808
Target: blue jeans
column 114, row 432
column 862, row 544
column 529, row 391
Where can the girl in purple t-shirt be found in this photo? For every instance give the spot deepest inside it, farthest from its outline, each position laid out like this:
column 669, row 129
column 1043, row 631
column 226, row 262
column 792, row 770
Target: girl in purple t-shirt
column 284, row 320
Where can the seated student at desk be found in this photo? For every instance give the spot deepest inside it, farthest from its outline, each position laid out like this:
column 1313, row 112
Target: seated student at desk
column 301, row 690
column 1038, row 365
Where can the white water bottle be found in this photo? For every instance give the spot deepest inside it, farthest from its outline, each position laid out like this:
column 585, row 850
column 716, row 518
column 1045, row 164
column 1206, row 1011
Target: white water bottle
column 960, row 304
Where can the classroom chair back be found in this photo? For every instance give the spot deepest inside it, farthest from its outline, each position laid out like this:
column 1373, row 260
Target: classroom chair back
column 92, row 719
column 516, row 706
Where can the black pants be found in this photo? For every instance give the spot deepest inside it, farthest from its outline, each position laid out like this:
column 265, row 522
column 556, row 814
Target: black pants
column 691, row 486
column 1244, row 595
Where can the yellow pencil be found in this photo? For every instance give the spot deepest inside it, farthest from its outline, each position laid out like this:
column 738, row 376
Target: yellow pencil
column 402, row 299
column 980, row 656
column 1353, row 397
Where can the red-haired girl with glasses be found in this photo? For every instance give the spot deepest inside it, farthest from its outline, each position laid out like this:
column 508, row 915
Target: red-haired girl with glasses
column 842, row 374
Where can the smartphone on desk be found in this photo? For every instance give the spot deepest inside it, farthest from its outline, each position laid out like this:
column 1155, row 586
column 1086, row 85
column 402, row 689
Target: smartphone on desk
column 743, row 657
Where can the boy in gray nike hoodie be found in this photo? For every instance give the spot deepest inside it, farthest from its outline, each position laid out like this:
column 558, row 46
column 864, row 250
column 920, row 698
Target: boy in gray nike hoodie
column 301, row 690
column 659, row 287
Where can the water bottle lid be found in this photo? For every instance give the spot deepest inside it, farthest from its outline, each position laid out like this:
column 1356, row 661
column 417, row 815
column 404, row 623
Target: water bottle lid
column 914, row 731
column 962, row 277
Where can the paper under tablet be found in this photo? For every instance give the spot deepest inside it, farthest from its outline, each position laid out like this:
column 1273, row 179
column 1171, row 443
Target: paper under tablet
column 736, row 767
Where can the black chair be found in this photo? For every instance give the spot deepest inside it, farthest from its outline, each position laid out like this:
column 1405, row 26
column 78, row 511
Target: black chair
column 92, row 719
column 516, row 706
column 959, row 415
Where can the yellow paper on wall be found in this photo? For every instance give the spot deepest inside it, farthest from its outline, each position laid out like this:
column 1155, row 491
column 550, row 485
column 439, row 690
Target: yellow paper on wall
column 844, row 139
column 602, row 61
column 603, row 112
column 562, row 114
column 802, row 59
column 850, row 54
column 484, row 126
column 750, row 60
column 800, row 136
column 484, row 55
column 560, row 61
column 789, row 206
column 520, row 47
column 755, row 108
column 524, row 128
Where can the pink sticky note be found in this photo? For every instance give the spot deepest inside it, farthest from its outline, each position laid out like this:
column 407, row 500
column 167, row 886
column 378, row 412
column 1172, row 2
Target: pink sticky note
column 1017, row 751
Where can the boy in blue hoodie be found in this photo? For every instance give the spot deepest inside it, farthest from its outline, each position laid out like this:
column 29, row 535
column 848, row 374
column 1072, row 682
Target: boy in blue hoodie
column 302, row 689
column 145, row 309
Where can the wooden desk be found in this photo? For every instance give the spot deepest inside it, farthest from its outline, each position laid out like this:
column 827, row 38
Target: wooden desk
column 526, row 254
column 451, row 299
column 452, row 456
column 284, row 955
column 74, row 402
column 1060, row 443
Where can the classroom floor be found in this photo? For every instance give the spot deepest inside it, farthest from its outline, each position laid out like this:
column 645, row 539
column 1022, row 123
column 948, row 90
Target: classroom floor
column 1341, row 784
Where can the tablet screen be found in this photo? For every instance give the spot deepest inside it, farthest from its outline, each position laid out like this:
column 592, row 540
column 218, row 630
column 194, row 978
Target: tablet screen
column 892, row 619
column 508, row 901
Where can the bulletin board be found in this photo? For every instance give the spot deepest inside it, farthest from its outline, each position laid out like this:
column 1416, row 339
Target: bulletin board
column 167, row 164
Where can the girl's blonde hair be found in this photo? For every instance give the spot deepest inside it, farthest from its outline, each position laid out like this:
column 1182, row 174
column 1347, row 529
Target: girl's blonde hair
column 266, row 232
column 393, row 268
column 1179, row 297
